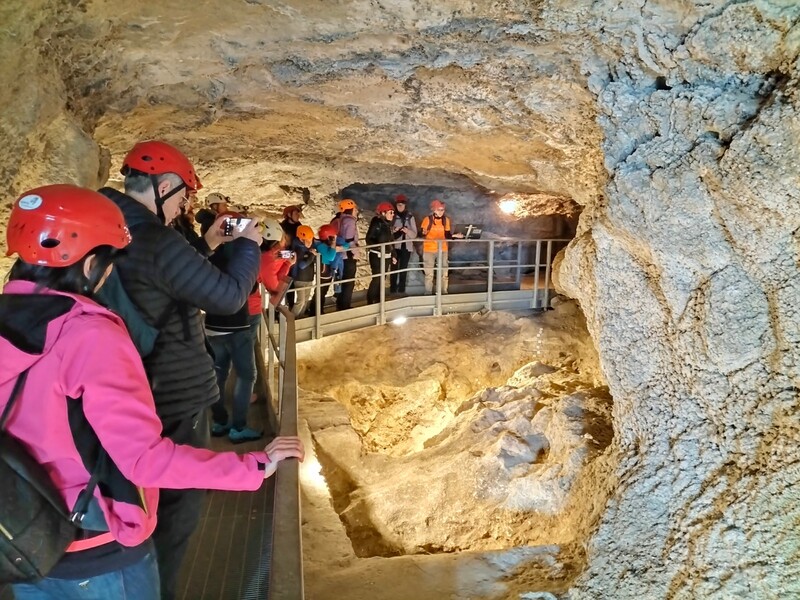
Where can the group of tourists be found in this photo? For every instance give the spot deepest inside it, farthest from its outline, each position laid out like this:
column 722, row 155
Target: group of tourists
column 390, row 242
column 106, row 378
column 119, row 324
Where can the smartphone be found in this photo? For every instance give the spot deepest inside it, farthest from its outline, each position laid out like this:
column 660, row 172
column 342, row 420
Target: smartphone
column 286, row 254
column 239, row 223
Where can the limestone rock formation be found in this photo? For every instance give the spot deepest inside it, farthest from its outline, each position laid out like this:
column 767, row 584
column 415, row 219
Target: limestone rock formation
column 688, row 275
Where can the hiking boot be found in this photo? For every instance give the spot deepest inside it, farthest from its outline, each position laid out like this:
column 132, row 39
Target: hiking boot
column 219, row 429
column 239, row 436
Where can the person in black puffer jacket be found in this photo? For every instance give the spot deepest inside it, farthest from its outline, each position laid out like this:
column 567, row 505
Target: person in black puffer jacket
column 170, row 282
column 380, row 232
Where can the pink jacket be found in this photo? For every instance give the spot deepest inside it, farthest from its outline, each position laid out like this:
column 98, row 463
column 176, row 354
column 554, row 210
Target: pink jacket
column 88, row 355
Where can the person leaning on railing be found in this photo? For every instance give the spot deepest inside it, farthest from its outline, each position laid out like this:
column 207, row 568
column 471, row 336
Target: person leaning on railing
column 331, row 249
column 87, row 397
column 345, row 222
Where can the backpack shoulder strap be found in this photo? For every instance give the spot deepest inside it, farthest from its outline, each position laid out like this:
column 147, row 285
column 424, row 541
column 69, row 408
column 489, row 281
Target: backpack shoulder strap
column 15, row 392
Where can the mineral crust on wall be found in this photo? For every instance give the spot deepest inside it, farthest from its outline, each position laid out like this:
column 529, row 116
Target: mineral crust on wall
column 688, row 274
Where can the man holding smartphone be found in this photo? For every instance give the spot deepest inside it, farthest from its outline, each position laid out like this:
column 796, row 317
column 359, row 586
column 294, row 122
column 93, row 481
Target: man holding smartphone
column 170, row 282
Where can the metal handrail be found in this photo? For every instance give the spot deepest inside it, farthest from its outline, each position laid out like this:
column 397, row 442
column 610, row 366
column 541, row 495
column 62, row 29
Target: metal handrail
column 286, row 570
column 475, row 264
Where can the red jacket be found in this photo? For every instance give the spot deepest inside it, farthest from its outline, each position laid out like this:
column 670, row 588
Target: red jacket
column 273, row 269
column 87, row 357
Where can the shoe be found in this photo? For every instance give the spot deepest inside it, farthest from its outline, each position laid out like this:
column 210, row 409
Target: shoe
column 218, row 429
column 239, row 436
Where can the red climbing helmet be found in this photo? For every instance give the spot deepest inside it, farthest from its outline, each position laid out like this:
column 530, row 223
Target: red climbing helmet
column 287, row 212
column 305, row 233
column 384, row 207
column 437, row 204
column 154, row 157
column 327, row 231
column 57, row 225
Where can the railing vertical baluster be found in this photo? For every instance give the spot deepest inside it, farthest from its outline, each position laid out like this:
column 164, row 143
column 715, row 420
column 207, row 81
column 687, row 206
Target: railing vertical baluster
column 281, row 353
column 439, row 272
column 518, row 280
column 270, row 325
column 382, row 309
column 319, row 301
column 536, row 274
column 490, row 276
column 547, row 274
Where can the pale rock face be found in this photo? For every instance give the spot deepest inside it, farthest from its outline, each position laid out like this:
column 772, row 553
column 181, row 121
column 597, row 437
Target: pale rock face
column 688, row 275
column 471, row 432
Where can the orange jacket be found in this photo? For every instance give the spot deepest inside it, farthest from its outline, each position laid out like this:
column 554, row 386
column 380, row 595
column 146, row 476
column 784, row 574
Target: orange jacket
column 439, row 230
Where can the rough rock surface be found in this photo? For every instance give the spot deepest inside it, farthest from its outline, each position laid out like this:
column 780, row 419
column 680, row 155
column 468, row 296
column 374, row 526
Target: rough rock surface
column 686, row 257
column 486, row 436
column 688, row 274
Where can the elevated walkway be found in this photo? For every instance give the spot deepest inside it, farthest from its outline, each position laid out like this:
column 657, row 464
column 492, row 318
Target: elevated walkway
column 248, row 545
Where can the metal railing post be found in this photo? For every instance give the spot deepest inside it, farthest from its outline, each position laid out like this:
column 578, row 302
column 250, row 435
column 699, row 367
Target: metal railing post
column 382, row 309
column 547, row 274
column 270, row 326
column 319, row 301
column 536, row 274
column 281, row 353
column 490, row 278
column 439, row 272
column 518, row 279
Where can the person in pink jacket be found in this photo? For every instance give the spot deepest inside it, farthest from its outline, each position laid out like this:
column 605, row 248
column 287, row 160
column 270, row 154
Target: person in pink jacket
column 86, row 392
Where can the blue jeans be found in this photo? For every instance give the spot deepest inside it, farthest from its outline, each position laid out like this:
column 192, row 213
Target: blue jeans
column 236, row 347
column 137, row 582
column 255, row 325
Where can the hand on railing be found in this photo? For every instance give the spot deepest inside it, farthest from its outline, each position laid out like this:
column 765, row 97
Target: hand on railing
column 281, row 448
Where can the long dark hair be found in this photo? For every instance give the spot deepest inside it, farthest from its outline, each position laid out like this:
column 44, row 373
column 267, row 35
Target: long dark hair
column 66, row 279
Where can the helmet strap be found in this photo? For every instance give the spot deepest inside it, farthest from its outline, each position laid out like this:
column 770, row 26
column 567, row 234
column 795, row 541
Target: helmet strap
column 159, row 200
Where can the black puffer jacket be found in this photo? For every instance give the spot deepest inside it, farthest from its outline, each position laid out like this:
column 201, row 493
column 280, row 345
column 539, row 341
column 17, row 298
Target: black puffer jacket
column 160, row 270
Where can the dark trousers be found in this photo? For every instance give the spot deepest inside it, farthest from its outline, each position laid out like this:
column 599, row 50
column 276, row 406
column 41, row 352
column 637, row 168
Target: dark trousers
column 324, row 286
column 236, row 348
column 345, row 298
column 377, row 282
column 397, row 281
column 179, row 510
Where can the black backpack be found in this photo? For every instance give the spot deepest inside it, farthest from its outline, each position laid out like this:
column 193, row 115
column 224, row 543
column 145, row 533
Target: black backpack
column 430, row 223
column 35, row 526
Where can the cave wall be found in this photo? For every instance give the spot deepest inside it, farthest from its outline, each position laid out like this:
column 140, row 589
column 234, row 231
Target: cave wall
column 691, row 259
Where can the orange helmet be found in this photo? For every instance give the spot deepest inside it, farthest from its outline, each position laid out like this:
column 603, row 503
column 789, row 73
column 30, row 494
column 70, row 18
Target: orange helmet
column 57, row 225
column 384, row 207
column 346, row 204
column 156, row 158
column 305, row 233
column 327, row 231
column 436, row 204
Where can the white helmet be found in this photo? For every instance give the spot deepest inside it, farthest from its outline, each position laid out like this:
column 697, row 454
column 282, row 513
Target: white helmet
column 272, row 230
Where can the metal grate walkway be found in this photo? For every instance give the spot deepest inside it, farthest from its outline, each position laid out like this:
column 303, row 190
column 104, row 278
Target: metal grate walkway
column 229, row 555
